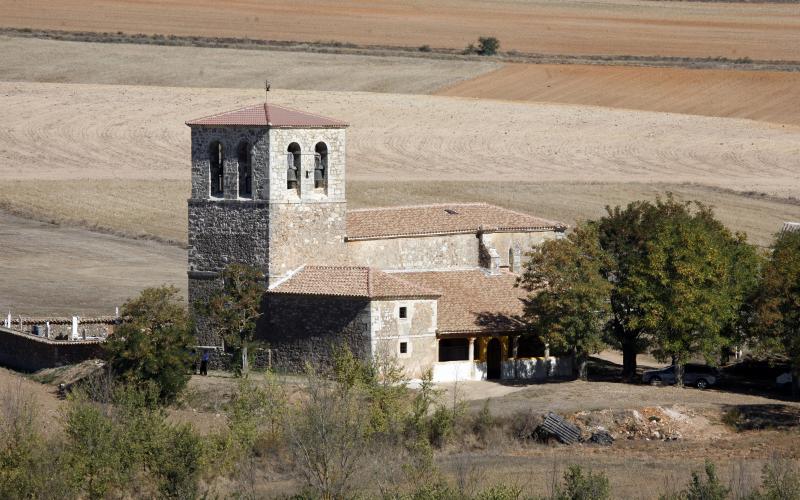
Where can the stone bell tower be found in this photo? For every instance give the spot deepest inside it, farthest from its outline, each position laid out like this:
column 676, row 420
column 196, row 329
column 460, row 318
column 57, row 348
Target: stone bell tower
column 268, row 190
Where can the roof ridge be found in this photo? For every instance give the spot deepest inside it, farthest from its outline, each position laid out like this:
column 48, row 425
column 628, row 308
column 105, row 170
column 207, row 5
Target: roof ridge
column 306, row 113
column 214, row 115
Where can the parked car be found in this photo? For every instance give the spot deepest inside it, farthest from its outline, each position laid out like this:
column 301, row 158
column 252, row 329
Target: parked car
column 700, row 376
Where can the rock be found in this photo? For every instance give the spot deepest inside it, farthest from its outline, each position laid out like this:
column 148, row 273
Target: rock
column 602, row 437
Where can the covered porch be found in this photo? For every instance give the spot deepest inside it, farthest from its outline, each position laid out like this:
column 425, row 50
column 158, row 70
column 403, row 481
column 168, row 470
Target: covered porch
column 500, row 356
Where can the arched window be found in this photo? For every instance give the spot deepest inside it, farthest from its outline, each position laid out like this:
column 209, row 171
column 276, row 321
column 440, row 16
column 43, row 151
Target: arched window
column 511, row 259
column 217, row 170
column 293, row 168
column 320, row 165
column 245, row 170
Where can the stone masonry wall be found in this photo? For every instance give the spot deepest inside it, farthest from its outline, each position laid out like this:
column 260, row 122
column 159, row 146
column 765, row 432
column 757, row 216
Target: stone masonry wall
column 421, row 252
column 223, row 232
column 230, row 138
column 518, row 243
column 307, row 139
column 417, row 331
column 306, row 233
column 302, row 328
column 25, row 352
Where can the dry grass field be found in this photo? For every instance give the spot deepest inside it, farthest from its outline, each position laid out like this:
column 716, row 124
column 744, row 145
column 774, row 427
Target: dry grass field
column 629, row 27
column 756, row 95
column 124, row 64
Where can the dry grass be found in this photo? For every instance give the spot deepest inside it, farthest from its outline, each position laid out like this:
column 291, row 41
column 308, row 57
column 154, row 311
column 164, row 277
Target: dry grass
column 121, row 64
column 758, row 31
column 758, row 95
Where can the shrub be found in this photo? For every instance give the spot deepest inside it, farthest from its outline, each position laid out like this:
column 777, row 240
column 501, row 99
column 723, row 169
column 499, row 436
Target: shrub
column 425, row 48
column 580, row 486
column 483, row 422
column 700, row 488
column 154, row 342
column 780, row 481
column 488, row 45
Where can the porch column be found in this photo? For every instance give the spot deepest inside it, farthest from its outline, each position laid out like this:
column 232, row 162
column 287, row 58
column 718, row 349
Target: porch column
column 471, row 349
column 547, row 350
column 515, row 347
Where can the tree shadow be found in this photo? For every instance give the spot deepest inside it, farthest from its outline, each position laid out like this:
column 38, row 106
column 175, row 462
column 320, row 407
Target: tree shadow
column 762, row 416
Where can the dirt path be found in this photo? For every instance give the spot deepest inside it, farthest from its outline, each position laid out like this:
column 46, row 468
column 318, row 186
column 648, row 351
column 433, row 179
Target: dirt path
column 632, row 27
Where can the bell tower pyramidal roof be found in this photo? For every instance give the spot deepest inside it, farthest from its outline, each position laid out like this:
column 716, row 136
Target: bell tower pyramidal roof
column 267, row 115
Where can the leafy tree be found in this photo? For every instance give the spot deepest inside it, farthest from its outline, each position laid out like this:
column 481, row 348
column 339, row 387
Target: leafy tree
column 154, row 342
column 777, row 304
column 623, row 235
column 686, row 286
column 488, row 45
column 568, row 301
column 680, row 280
column 234, row 310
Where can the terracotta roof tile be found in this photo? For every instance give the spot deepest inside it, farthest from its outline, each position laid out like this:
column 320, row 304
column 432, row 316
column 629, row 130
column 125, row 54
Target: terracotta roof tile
column 268, row 115
column 393, row 222
column 348, row 281
column 472, row 301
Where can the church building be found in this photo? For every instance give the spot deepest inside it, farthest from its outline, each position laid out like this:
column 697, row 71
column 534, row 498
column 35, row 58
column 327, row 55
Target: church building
column 432, row 285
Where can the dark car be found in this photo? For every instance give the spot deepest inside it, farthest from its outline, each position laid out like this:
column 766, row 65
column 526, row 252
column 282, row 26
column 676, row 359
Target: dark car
column 700, row 376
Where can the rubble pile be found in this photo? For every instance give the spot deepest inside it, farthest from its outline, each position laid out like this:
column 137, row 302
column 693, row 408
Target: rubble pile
column 650, row 423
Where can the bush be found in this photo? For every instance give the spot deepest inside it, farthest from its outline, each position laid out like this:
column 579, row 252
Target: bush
column 488, row 46
column 780, row 481
column 580, row 486
column 483, row 422
column 425, row 48
column 699, row 488
column 154, row 342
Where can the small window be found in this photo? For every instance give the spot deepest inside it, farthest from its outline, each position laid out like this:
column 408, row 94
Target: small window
column 245, row 172
column 293, row 167
column 320, row 165
column 511, row 259
column 403, row 347
column 217, row 170
column 403, row 313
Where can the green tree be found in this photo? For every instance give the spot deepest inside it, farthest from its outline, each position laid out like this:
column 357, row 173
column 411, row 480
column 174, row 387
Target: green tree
column 777, row 303
column 234, row 310
column 623, row 235
column 568, row 302
column 154, row 341
column 488, row 45
column 687, row 286
column 657, row 252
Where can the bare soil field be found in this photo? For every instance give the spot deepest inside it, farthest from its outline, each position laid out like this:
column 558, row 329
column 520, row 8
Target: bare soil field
column 35, row 60
column 627, row 27
column 47, row 269
column 97, row 132
column 756, row 95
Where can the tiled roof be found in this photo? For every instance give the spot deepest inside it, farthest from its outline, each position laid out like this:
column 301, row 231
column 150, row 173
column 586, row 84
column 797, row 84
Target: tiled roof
column 268, row 115
column 472, row 301
column 345, row 281
column 394, row 222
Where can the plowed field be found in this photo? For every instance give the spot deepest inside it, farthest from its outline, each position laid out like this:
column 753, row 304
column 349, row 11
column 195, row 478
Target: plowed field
column 620, row 27
column 758, row 95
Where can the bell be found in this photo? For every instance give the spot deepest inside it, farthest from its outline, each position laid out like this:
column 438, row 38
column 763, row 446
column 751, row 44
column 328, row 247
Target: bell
column 291, row 174
column 318, row 175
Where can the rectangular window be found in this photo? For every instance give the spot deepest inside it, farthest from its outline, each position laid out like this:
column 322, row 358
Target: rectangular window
column 403, row 347
column 403, row 313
